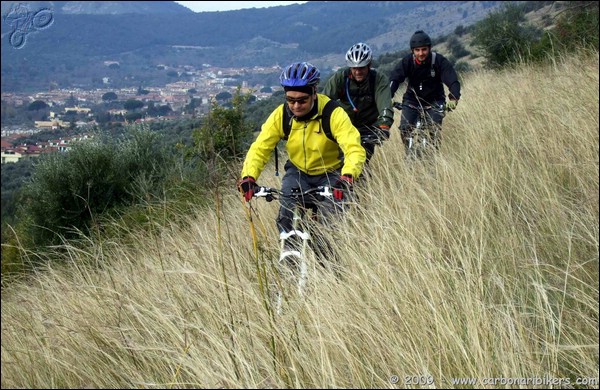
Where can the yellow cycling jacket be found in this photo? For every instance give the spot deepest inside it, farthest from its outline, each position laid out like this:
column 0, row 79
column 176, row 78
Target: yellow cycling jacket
column 308, row 148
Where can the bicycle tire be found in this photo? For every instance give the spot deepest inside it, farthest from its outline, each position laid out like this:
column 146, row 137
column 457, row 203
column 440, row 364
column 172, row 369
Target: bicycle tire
column 17, row 39
column 43, row 19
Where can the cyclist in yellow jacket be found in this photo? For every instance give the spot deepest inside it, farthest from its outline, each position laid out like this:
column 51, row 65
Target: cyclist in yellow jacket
column 314, row 159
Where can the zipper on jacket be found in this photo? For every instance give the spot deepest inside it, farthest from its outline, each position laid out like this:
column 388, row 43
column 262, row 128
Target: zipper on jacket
column 304, row 145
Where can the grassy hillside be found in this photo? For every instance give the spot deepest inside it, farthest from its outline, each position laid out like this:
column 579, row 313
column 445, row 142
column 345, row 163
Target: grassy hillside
column 483, row 264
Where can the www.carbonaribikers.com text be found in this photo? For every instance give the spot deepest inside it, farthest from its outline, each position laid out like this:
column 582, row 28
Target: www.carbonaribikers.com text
column 532, row 381
column 421, row 380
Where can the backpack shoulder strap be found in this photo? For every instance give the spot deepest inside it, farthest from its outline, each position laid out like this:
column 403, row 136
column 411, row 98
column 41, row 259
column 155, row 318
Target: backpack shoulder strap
column 433, row 63
column 287, row 122
column 372, row 78
column 326, row 118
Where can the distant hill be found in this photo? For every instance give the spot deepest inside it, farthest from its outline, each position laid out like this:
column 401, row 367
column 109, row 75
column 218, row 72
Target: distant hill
column 141, row 36
column 101, row 7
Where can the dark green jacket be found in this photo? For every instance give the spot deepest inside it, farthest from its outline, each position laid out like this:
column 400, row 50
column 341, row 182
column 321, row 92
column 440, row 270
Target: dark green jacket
column 371, row 97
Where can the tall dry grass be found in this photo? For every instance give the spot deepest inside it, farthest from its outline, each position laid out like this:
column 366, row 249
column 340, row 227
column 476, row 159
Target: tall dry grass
column 483, row 264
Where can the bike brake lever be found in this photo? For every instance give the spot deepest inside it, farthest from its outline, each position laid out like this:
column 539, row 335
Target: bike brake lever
column 264, row 192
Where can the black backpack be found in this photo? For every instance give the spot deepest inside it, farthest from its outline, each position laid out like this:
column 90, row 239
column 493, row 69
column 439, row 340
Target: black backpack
column 325, row 119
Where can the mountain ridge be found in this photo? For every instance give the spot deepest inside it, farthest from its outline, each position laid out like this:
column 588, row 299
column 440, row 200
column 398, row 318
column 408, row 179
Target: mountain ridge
column 77, row 44
column 100, row 7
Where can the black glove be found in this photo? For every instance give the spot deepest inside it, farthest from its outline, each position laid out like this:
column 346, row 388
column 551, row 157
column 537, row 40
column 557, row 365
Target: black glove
column 384, row 132
column 343, row 184
column 247, row 186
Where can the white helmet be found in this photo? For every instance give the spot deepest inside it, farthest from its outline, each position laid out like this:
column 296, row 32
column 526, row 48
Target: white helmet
column 358, row 55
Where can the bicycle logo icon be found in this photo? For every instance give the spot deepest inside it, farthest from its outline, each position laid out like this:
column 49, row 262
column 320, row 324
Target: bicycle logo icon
column 23, row 22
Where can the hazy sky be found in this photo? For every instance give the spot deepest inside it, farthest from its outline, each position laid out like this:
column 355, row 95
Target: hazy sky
column 209, row 6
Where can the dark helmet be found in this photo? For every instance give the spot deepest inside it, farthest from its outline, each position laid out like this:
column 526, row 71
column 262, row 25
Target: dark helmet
column 300, row 74
column 359, row 55
column 419, row 39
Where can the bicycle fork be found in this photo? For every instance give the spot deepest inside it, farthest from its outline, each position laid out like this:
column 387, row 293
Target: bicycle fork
column 293, row 256
column 292, row 261
column 417, row 133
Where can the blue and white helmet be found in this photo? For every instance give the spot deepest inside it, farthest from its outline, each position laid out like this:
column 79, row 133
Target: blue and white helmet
column 300, row 74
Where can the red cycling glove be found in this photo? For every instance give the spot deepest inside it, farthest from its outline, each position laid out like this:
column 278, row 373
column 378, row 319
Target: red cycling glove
column 247, row 186
column 343, row 184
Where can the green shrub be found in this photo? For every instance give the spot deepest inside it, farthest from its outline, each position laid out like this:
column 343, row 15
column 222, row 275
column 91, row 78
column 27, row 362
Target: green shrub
column 224, row 136
column 578, row 26
column 502, row 38
column 138, row 180
column 457, row 49
column 69, row 191
column 505, row 39
column 463, row 67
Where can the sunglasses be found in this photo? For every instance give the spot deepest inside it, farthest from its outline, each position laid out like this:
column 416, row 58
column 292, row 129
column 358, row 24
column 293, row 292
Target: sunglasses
column 300, row 100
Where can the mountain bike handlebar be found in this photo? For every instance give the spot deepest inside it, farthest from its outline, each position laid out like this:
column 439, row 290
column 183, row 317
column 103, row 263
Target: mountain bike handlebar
column 399, row 106
column 266, row 192
column 373, row 135
column 316, row 193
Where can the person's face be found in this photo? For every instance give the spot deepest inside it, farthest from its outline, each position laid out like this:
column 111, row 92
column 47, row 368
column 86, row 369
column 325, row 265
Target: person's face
column 299, row 102
column 360, row 74
column 421, row 53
